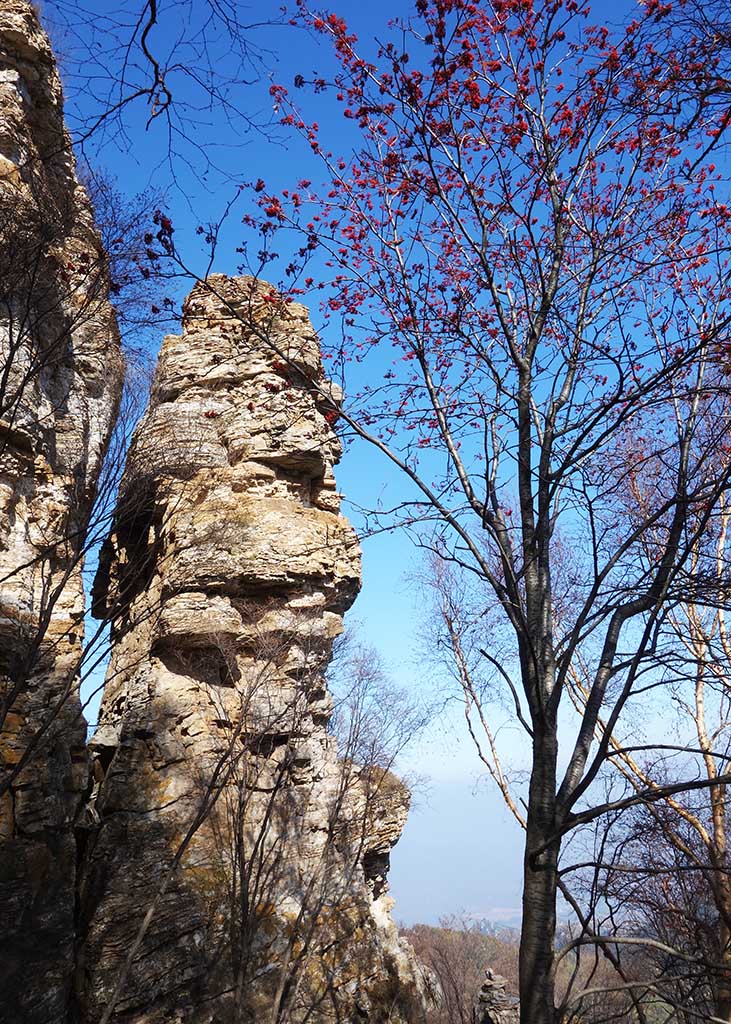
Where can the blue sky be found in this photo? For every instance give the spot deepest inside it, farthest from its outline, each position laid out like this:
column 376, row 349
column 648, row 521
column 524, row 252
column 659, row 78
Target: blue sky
column 461, row 851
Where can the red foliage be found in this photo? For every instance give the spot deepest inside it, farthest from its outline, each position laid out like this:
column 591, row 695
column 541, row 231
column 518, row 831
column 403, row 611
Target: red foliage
column 513, row 138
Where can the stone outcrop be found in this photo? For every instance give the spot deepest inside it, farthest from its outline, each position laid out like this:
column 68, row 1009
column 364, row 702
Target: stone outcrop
column 60, row 376
column 494, row 1004
column 211, row 855
column 236, row 860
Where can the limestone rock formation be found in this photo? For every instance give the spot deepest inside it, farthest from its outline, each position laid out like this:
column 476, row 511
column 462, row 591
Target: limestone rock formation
column 235, row 865
column 60, row 376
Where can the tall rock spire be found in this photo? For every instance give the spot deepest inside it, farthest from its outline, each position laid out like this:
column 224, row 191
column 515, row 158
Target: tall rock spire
column 235, row 866
column 60, row 378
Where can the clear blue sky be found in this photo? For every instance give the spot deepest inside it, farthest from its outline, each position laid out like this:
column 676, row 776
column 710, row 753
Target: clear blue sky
column 460, row 852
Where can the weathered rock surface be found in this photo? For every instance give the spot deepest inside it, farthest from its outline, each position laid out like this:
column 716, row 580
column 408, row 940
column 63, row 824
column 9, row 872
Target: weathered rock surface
column 494, row 1004
column 59, row 384
column 235, row 866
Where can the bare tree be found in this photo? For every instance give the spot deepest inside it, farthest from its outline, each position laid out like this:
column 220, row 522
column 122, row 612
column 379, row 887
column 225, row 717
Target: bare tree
column 185, row 68
column 282, row 869
column 667, row 871
column 523, row 243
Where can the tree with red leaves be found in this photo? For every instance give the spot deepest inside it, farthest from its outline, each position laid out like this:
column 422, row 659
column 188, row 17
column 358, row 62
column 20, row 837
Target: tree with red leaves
column 530, row 263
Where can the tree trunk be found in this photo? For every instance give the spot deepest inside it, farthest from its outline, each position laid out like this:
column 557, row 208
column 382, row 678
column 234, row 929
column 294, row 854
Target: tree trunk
column 723, row 986
column 537, row 983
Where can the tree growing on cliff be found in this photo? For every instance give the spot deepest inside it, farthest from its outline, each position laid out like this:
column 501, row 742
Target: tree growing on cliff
column 284, row 842
column 292, row 857
column 56, row 278
column 529, row 254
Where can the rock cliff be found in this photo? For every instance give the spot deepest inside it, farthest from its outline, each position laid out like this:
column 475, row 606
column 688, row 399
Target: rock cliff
column 60, row 376
column 213, row 855
column 235, row 863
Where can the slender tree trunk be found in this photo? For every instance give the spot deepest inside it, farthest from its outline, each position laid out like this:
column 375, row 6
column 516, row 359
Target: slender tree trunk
column 723, row 986
column 537, row 981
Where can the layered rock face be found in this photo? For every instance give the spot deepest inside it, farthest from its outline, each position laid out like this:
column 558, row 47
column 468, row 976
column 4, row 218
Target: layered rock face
column 235, row 865
column 60, row 376
column 231, row 865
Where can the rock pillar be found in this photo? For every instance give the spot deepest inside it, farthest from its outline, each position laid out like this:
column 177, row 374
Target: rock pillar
column 235, row 862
